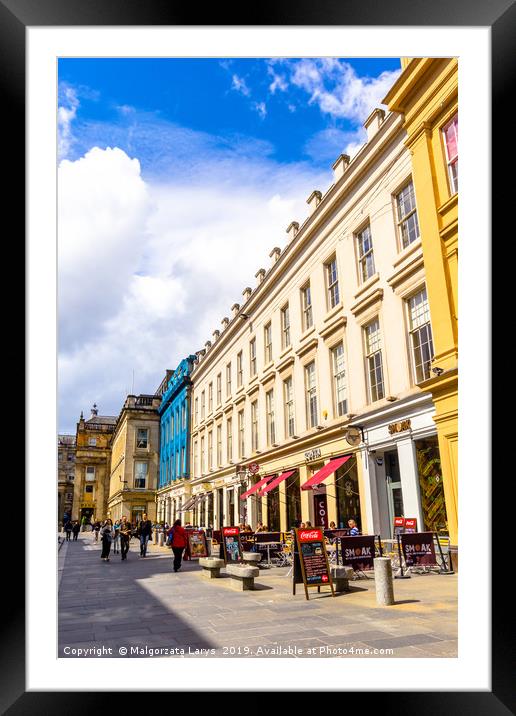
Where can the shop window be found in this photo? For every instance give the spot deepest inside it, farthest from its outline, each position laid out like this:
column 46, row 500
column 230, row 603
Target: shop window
column 348, row 496
column 431, row 485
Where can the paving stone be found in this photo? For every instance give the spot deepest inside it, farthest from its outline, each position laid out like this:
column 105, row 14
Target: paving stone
column 392, row 642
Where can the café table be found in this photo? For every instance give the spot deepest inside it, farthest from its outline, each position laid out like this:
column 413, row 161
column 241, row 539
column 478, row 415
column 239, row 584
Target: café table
column 269, row 545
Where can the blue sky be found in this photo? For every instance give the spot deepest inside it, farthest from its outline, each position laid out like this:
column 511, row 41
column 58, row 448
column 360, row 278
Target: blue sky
column 166, row 168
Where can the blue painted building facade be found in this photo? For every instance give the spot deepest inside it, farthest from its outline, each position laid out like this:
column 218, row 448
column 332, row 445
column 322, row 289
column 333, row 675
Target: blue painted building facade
column 174, row 414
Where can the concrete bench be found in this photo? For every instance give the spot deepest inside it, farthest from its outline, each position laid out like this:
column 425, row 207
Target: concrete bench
column 242, row 576
column 211, row 567
column 251, row 558
column 340, row 577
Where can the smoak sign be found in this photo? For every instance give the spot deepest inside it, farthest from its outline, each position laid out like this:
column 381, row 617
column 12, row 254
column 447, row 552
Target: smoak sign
column 418, row 549
column 311, row 566
column 358, row 552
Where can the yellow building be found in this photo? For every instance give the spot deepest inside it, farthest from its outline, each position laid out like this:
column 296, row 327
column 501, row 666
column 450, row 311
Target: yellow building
column 92, row 460
column 426, row 94
column 135, row 459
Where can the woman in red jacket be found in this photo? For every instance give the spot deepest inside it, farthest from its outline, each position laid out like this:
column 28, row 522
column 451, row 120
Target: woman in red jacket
column 178, row 535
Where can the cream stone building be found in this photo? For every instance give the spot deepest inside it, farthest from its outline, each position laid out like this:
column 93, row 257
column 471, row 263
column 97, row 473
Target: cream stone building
column 335, row 335
column 135, row 459
column 65, row 474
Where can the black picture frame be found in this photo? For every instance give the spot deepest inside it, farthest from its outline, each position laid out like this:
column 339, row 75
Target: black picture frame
column 15, row 17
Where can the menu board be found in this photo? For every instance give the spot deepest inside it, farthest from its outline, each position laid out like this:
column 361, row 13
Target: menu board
column 418, row 549
column 358, row 552
column 197, row 546
column 312, row 559
column 231, row 545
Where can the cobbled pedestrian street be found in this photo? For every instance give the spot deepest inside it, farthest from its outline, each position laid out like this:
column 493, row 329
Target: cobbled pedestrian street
column 140, row 608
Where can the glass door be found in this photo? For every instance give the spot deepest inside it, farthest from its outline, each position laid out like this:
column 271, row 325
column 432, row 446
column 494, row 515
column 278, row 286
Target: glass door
column 393, row 482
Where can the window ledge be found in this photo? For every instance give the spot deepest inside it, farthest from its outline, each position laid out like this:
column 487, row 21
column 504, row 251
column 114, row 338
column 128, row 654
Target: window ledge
column 333, row 312
column 407, row 251
column 367, row 285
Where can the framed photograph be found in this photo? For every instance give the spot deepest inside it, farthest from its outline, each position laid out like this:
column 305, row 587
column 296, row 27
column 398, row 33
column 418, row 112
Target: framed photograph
column 165, row 159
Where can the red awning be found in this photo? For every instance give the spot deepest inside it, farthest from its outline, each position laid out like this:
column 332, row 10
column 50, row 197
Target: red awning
column 256, row 487
column 276, row 481
column 325, row 472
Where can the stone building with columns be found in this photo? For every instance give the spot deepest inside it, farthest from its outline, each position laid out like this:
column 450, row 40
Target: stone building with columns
column 320, row 367
column 133, row 474
column 92, row 465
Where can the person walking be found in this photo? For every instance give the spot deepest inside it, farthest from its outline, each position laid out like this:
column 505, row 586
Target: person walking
column 178, row 543
column 75, row 529
column 125, row 536
column 116, row 538
column 96, row 528
column 68, row 530
column 144, row 532
column 107, row 538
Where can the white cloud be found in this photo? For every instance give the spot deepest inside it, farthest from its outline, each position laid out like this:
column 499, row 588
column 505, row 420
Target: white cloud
column 148, row 270
column 279, row 82
column 338, row 91
column 327, row 144
column 239, row 84
column 66, row 113
column 261, row 108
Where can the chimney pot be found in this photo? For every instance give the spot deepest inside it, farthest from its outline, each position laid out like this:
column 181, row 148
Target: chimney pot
column 275, row 253
column 373, row 122
column 340, row 165
column 314, row 199
column 235, row 308
column 260, row 275
column 292, row 230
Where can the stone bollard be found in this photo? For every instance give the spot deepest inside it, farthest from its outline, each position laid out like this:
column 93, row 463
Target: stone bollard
column 383, row 581
column 161, row 539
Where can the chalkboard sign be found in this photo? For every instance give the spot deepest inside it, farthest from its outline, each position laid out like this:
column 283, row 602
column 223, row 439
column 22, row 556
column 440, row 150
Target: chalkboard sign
column 232, row 547
column 197, row 546
column 311, row 566
column 358, row 552
column 418, row 549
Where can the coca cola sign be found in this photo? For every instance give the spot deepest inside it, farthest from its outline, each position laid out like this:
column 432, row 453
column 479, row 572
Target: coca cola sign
column 310, row 535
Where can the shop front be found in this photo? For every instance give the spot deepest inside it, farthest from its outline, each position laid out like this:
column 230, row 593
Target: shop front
column 402, row 463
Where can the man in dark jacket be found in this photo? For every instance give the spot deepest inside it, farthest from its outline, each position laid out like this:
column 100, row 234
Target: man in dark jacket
column 125, row 536
column 144, row 533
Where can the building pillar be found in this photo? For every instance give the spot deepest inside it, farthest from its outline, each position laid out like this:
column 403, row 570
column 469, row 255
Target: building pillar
column 410, row 480
column 306, row 495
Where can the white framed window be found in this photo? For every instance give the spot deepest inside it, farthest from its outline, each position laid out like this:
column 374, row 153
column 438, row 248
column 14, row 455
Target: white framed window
column 252, row 357
column 92, row 442
column 408, row 225
column 288, row 396
column 90, row 473
column 203, row 458
column 182, row 467
column 241, row 436
column 267, row 339
column 210, row 450
column 196, row 458
column 254, row 426
column 229, row 438
column 373, row 347
column 311, row 396
column 219, row 389
column 285, row 326
column 332, row 282
column 219, row 445
column 451, row 145
column 420, row 331
column 339, row 380
column 203, row 405
column 365, row 254
column 271, row 427
column 240, row 369
column 183, row 416
column 140, row 474
column 196, row 411
column 228, row 380
column 210, row 398
column 142, row 438
column 306, row 304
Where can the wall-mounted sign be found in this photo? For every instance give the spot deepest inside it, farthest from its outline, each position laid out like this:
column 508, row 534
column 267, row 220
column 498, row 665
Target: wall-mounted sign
column 321, row 510
column 399, row 427
column 253, row 468
column 231, row 545
column 311, row 566
column 313, row 454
